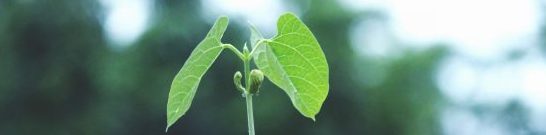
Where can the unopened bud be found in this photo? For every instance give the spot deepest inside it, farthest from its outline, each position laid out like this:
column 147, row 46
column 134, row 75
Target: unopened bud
column 237, row 81
column 245, row 49
column 256, row 79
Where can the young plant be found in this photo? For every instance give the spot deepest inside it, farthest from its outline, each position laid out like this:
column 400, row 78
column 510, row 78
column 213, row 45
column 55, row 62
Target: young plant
column 292, row 60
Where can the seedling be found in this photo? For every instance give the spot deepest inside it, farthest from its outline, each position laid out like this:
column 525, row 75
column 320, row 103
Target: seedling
column 292, row 60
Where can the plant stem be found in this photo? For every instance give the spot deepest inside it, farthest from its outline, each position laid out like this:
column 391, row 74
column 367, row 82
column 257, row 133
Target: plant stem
column 250, row 114
column 260, row 42
column 248, row 95
column 234, row 50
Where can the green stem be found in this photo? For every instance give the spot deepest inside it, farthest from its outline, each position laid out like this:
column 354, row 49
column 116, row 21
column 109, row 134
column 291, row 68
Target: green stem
column 248, row 95
column 246, row 56
column 260, row 42
column 234, row 50
column 250, row 114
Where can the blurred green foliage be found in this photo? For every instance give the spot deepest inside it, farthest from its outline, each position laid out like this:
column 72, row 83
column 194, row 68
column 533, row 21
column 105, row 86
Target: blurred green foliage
column 60, row 76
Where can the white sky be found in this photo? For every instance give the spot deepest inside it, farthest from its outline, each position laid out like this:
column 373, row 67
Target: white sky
column 125, row 20
column 483, row 29
column 262, row 13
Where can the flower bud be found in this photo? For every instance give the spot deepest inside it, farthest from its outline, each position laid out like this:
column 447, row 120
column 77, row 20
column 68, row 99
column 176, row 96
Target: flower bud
column 256, row 79
column 237, row 81
column 245, row 49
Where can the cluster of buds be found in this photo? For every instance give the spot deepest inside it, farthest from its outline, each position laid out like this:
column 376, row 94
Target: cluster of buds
column 256, row 79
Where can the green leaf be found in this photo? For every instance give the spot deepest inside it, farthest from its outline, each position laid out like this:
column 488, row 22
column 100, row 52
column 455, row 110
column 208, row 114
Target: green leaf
column 294, row 61
column 185, row 83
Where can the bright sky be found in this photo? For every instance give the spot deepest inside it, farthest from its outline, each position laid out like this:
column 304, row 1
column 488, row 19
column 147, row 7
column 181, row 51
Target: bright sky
column 125, row 20
column 483, row 29
column 262, row 13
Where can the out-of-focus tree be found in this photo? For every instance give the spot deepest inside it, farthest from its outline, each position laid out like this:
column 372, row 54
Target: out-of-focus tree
column 49, row 56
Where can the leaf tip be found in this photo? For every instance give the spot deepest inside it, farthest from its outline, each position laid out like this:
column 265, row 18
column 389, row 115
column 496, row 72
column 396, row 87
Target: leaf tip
column 313, row 118
column 219, row 27
column 252, row 27
column 310, row 116
column 250, row 23
column 223, row 20
column 169, row 124
column 167, row 128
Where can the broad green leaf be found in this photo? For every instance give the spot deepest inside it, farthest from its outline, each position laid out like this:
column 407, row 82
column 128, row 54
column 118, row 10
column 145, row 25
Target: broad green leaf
column 294, row 61
column 187, row 80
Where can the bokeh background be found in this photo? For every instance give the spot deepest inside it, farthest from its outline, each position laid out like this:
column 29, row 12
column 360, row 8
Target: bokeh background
column 398, row 67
